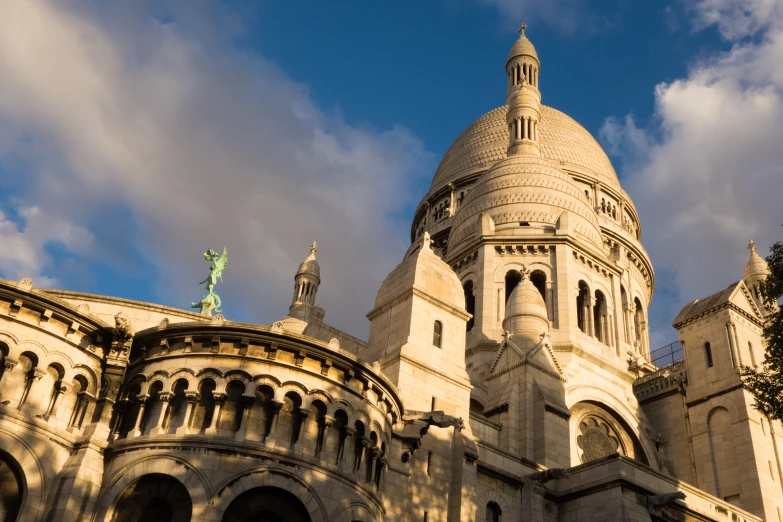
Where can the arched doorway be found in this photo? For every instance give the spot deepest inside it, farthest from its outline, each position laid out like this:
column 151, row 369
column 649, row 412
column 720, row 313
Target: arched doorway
column 154, row 498
column 11, row 488
column 266, row 504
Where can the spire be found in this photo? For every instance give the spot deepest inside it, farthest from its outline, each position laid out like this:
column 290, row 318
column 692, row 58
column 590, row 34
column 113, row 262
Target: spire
column 523, row 98
column 307, row 279
column 756, row 270
column 526, row 314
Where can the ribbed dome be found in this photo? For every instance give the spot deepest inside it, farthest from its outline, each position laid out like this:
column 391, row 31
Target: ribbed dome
column 522, row 47
column 756, row 268
column 310, row 265
column 525, row 189
column 561, row 138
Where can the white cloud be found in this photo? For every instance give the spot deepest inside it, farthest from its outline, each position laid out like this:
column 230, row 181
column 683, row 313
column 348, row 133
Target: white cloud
column 160, row 138
column 707, row 177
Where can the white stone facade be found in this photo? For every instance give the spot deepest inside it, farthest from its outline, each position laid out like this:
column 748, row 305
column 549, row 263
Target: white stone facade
column 507, row 375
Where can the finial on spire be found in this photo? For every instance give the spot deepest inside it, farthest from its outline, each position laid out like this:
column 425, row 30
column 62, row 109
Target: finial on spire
column 752, row 246
column 522, row 28
column 313, row 248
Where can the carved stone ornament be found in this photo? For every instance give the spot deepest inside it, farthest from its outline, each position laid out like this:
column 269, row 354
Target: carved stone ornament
column 25, row 284
column 334, row 344
column 122, row 332
column 595, row 440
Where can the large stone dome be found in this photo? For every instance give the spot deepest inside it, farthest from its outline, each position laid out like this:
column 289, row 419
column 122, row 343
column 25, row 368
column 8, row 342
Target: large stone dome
column 561, row 139
column 525, row 189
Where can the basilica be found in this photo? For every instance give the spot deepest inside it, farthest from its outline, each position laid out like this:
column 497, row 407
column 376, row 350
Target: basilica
column 507, row 376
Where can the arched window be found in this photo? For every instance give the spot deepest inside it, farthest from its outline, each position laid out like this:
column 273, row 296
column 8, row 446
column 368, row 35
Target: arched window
column 600, row 317
column 512, row 280
column 319, row 421
column 583, row 307
column 493, row 512
column 470, row 304
column 437, row 334
column 177, row 407
column 205, row 408
column 538, row 278
column 476, row 407
column 708, row 355
column 638, row 319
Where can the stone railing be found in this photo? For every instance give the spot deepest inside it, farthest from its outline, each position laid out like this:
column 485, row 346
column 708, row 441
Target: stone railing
column 661, row 382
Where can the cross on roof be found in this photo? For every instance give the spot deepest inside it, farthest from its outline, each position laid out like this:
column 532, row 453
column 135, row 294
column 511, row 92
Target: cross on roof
column 522, row 29
column 751, row 246
column 313, row 248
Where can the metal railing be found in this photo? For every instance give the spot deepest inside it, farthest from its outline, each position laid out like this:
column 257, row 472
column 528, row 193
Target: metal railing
column 667, row 355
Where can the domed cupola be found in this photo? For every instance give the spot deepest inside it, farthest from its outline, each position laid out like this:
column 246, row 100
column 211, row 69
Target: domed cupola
column 526, row 315
column 756, row 270
column 523, row 98
column 307, row 279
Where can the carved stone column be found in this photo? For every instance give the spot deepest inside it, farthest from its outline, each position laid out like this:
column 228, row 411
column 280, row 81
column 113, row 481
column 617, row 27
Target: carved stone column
column 347, row 446
column 121, row 406
column 164, row 406
column 360, row 456
column 247, row 402
column 8, row 367
column 220, row 398
column 136, row 431
column 322, row 440
column 589, row 319
column 31, row 378
column 192, row 397
column 59, row 389
column 374, row 455
column 272, row 435
column 303, row 414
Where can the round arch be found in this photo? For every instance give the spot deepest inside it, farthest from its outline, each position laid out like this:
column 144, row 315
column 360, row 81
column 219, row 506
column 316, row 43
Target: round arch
column 185, row 472
column 636, row 422
column 31, row 475
column 266, row 477
column 352, row 510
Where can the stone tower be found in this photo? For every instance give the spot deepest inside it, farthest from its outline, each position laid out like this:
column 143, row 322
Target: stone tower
column 735, row 448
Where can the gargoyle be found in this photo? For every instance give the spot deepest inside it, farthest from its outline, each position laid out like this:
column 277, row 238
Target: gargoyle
column 542, row 477
column 434, row 418
column 665, row 499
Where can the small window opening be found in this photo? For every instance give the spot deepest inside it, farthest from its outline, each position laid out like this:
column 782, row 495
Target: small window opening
column 708, row 354
column 437, row 334
column 524, row 223
column 493, row 512
column 470, row 304
column 429, row 463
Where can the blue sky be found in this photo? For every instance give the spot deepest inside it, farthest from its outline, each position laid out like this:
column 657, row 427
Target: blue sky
column 136, row 135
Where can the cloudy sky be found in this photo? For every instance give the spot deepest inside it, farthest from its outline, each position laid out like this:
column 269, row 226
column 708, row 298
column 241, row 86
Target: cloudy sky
column 134, row 136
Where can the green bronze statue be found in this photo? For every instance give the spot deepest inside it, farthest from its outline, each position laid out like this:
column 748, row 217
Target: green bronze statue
column 211, row 302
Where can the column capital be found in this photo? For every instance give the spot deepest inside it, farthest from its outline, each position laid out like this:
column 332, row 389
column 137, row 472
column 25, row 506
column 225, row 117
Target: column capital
column 350, row 431
column 165, row 397
column 276, row 406
column 328, row 421
column 219, row 397
column 304, row 413
column 9, row 364
column 192, row 396
column 248, row 401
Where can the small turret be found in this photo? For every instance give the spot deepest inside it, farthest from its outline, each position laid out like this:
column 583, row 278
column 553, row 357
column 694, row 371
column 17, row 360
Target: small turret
column 307, row 279
column 756, row 270
column 526, row 316
column 523, row 97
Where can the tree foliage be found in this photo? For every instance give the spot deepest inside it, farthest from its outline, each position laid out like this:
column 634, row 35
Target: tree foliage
column 766, row 381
